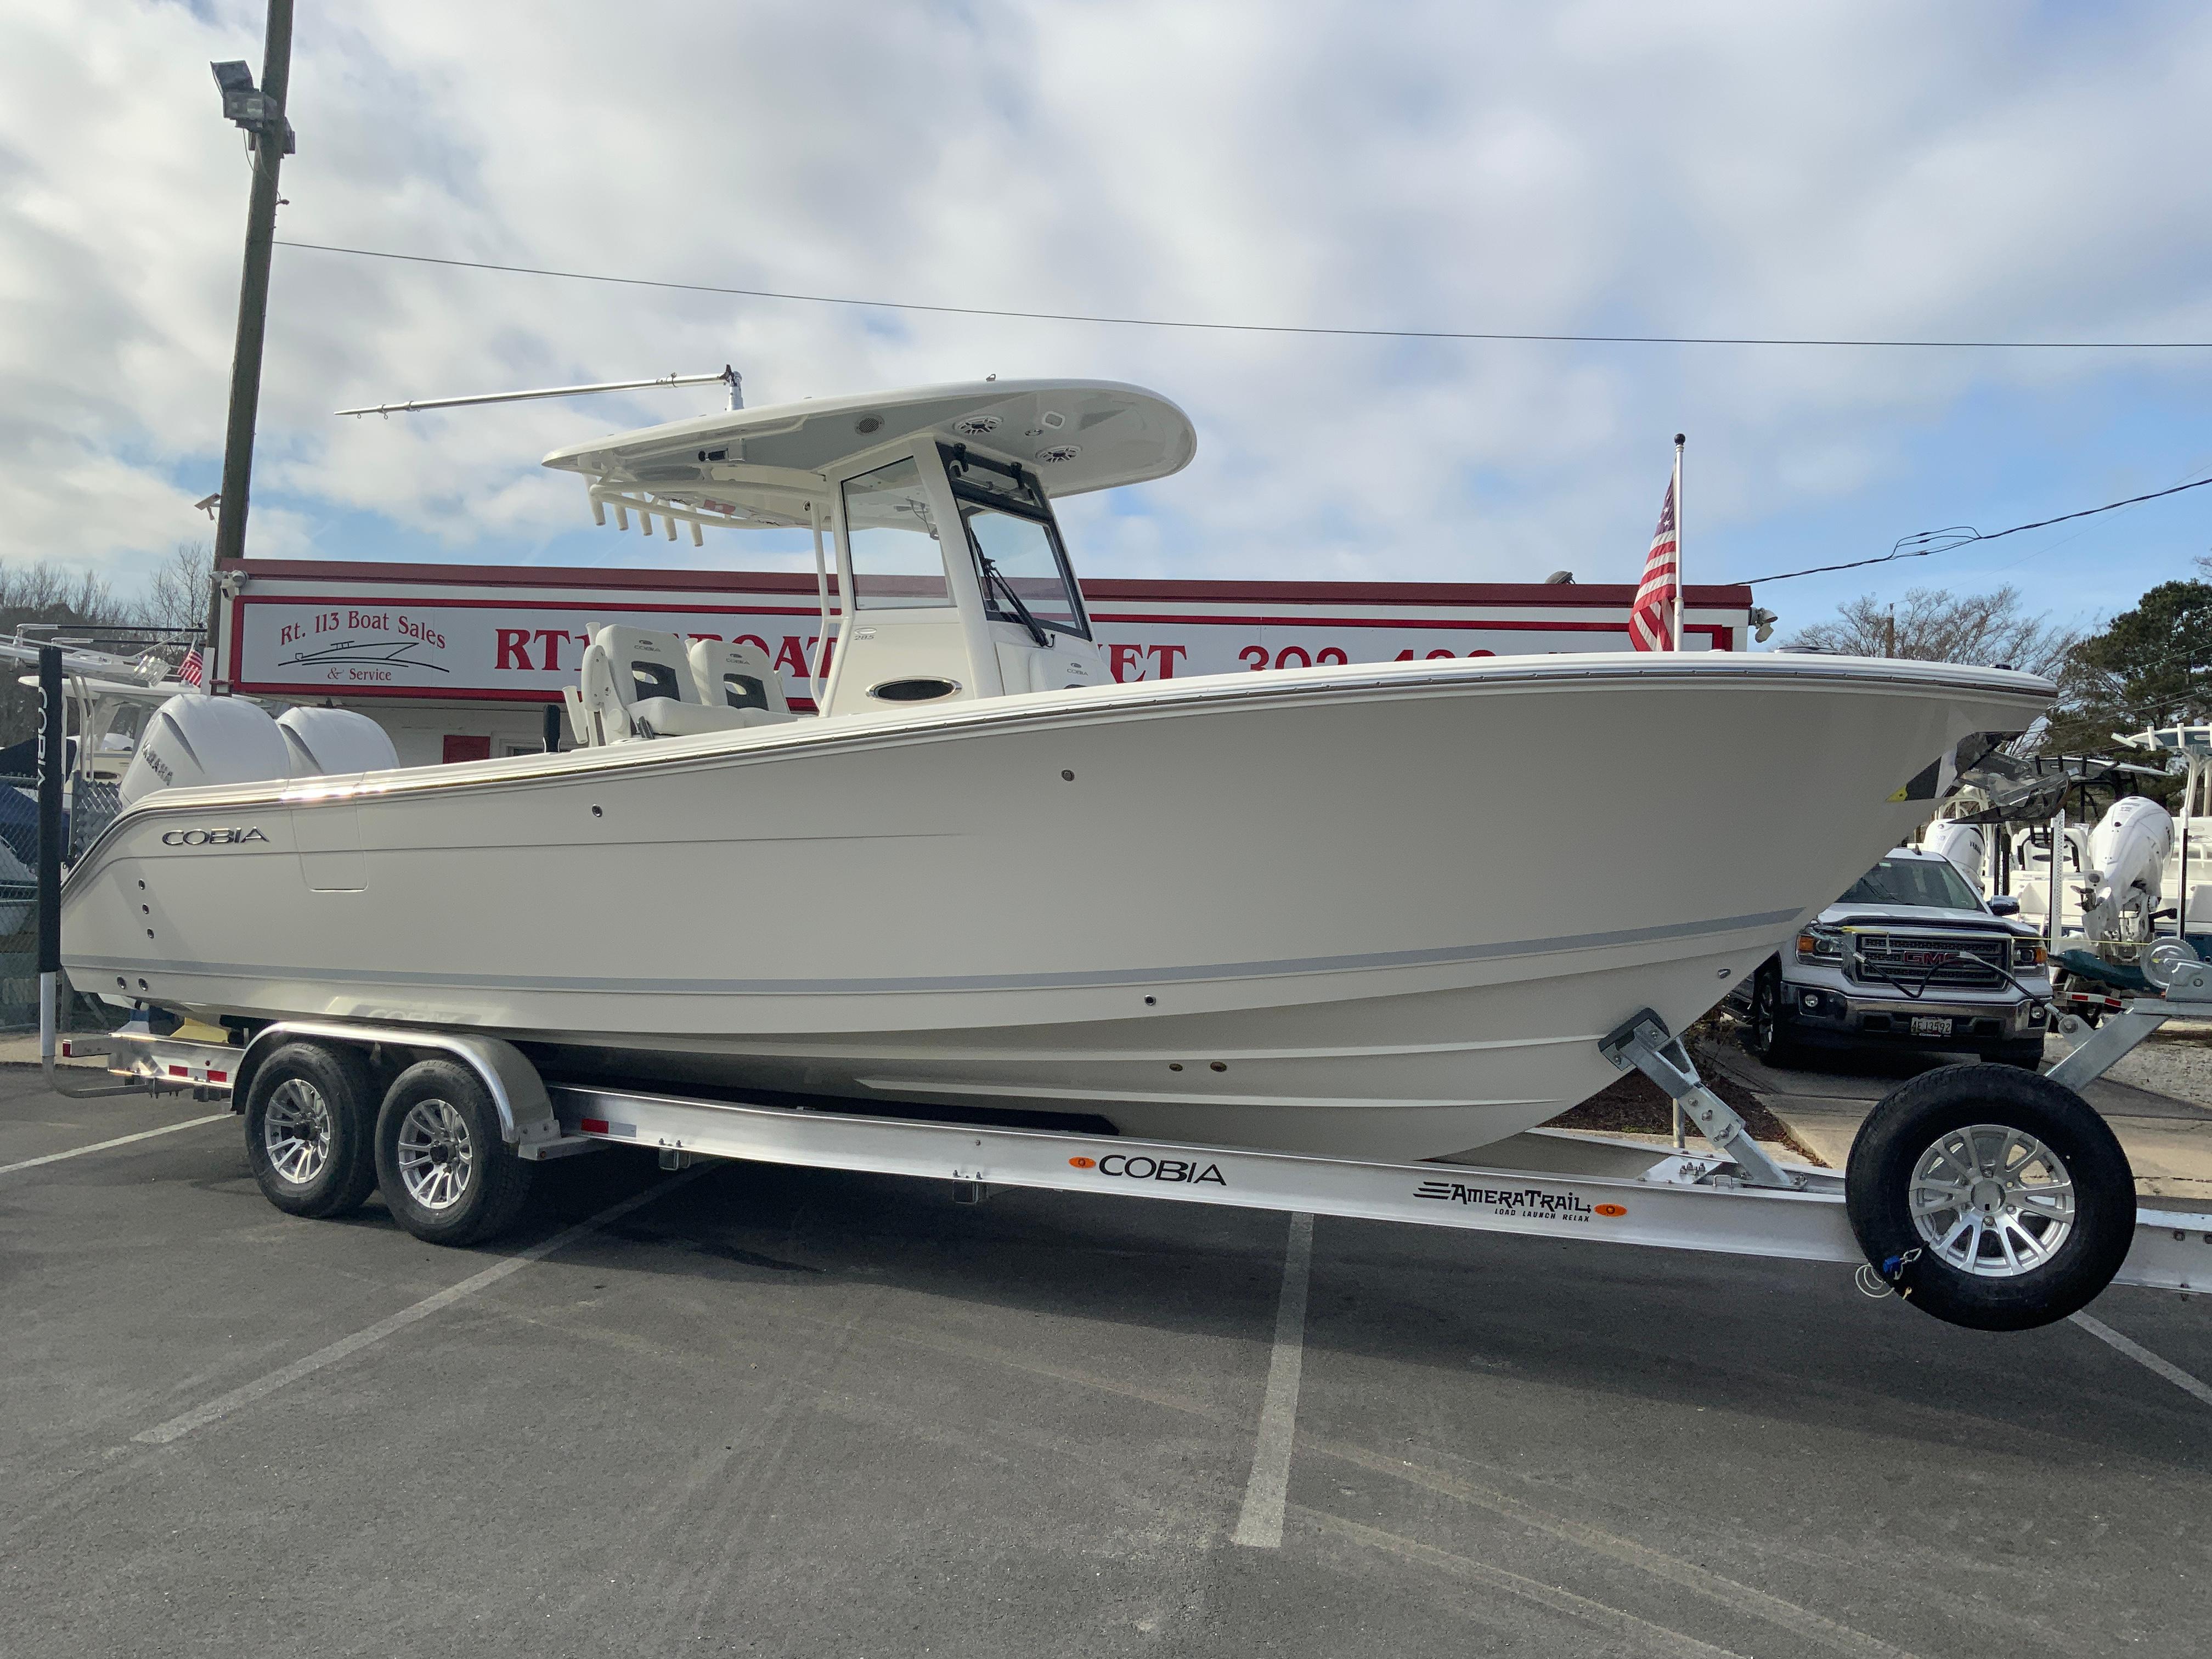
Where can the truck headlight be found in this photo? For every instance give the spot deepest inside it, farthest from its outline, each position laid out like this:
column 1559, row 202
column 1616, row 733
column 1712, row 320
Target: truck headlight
column 1818, row 944
column 2028, row 953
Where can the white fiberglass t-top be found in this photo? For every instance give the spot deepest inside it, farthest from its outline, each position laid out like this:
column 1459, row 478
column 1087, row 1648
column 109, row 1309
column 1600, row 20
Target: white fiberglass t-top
column 1378, row 909
column 992, row 609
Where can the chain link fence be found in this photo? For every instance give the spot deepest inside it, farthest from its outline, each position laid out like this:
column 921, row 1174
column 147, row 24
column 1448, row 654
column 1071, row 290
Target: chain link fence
column 93, row 805
column 19, row 903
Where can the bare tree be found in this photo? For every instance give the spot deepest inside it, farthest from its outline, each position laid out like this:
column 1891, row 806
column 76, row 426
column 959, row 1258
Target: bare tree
column 1933, row 624
column 41, row 592
column 79, row 602
column 177, row 594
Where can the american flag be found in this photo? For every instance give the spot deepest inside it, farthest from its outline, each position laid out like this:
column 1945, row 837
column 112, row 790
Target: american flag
column 189, row 670
column 1650, row 619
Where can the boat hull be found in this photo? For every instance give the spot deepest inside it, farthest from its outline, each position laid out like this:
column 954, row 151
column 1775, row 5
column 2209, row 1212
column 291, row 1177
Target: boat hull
column 1381, row 912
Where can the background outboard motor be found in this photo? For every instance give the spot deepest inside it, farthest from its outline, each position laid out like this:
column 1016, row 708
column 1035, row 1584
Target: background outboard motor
column 1962, row 845
column 2126, row 879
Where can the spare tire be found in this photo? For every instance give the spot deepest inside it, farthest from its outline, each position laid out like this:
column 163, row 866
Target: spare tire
column 1990, row 1197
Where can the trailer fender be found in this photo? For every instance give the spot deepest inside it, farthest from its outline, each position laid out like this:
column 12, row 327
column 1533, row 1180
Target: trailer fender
column 518, row 1093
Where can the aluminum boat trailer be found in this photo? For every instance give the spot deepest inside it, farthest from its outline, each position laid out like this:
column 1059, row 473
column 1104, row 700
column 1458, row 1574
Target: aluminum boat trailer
column 449, row 1125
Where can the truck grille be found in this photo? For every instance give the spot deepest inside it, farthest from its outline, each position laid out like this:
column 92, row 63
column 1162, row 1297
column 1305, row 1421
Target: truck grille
column 1909, row 957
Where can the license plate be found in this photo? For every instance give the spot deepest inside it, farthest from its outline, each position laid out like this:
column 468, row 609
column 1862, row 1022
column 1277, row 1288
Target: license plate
column 1931, row 1025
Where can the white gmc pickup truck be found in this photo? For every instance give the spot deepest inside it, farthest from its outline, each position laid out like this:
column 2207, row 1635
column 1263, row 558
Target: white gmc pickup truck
column 1909, row 958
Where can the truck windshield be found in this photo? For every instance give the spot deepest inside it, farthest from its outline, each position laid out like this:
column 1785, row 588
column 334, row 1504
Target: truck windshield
column 1930, row 883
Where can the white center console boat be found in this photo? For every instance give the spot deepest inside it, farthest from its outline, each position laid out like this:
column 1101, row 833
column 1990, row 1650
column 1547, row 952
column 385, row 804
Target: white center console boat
column 1375, row 910
column 993, row 918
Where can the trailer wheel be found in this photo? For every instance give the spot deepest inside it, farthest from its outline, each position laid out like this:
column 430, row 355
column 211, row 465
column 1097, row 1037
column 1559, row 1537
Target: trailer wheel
column 309, row 1121
column 447, row 1174
column 1990, row 1197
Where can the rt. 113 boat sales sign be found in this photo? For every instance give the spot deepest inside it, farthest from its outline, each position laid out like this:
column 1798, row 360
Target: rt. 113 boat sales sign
column 309, row 629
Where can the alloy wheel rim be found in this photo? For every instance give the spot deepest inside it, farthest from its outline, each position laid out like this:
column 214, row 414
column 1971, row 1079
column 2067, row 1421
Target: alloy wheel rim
column 435, row 1154
column 1991, row 1201
column 296, row 1131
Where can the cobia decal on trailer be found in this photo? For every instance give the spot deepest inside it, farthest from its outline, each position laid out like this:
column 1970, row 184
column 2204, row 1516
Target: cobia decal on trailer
column 1141, row 1168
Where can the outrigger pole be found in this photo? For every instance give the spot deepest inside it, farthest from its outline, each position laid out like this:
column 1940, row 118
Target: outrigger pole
column 725, row 375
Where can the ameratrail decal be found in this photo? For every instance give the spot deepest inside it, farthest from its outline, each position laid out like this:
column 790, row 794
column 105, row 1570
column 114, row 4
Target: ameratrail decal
column 1532, row 1201
column 1140, row 1166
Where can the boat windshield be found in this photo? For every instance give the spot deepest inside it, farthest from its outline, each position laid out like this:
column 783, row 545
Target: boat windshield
column 1019, row 562
column 896, row 565
column 1928, row 884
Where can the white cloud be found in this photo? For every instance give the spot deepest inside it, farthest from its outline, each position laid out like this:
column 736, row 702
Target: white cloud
column 1867, row 169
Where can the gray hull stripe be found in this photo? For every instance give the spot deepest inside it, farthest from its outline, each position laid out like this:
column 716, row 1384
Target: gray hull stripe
column 1104, row 976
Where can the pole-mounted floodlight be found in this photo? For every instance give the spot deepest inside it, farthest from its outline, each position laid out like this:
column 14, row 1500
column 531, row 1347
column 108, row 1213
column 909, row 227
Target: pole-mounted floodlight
column 254, row 113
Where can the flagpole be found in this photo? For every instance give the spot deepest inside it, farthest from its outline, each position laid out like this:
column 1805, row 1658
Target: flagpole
column 1678, row 541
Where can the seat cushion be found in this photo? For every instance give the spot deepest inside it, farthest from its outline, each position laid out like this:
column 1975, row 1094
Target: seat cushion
column 665, row 717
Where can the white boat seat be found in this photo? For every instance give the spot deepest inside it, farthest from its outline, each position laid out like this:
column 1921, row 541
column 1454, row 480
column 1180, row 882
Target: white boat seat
column 665, row 717
column 626, row 667
column 731, row 674
column 599, row 714
column 647, row 663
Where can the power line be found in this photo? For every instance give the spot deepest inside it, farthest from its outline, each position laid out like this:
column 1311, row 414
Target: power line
column 1259, row 328
column 1921, row 543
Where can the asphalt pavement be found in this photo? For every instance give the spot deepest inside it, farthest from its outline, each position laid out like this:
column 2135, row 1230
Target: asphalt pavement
column 776, row 1412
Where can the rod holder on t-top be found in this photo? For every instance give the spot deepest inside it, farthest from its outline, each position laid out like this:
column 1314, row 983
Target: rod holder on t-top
column 727, row 376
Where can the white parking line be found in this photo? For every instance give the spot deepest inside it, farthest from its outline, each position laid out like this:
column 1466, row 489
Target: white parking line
column 2143, row 1357
column 221, row 1406
column 119, row 1140
column 1261, row 1525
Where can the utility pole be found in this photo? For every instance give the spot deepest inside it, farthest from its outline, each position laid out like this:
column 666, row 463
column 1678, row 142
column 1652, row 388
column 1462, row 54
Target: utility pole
column 260, row 115
column 1889, row 634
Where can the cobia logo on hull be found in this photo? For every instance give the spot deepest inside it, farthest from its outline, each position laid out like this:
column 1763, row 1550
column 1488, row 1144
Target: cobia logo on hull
column 228, row 837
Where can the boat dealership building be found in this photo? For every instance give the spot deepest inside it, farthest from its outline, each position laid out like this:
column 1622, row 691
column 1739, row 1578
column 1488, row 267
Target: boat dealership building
column 469, row 662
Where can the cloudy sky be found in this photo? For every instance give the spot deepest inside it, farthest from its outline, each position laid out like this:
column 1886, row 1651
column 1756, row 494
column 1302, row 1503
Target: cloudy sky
column 1865, row 170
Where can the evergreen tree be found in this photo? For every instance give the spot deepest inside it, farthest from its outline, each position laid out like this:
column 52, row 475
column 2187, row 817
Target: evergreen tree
column 2149, row 666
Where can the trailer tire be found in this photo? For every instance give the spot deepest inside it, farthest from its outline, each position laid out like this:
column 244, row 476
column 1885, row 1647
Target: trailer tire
column 310, row 1123
column 448, row 1174
column 1767, row 1036
column 2027, row 1206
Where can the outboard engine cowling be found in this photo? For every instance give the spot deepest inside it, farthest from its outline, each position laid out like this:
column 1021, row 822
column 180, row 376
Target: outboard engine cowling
column 194, row 739
column 327, row 742
column 1961, row 844
column 2128, row 851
